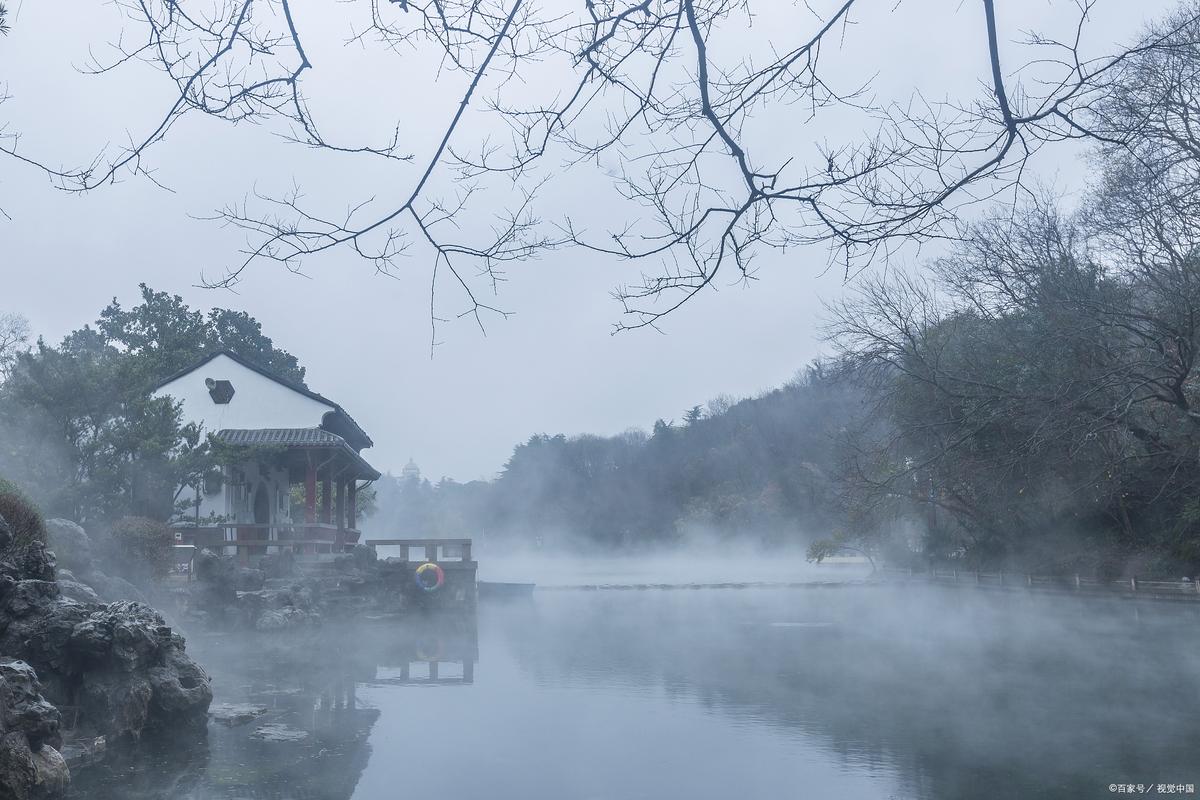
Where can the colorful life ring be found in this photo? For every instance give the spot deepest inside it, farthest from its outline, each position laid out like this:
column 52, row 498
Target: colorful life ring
column 429, row 577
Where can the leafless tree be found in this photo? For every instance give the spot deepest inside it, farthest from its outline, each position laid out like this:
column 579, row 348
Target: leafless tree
column 651, row 86
column 14, row 335
column 1049, row 364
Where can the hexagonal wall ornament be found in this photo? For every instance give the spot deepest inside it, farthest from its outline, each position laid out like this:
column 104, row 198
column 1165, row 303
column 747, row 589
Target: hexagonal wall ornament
column 221, row 392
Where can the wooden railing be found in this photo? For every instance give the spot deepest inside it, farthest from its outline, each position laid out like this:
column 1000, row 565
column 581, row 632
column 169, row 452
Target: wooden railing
column 1183, row 588
column 440, row 550
column 316, row 538
column 244, row 539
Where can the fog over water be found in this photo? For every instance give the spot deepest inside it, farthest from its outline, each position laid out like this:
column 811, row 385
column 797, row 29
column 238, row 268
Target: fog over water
column 866, row 691
column 739, row 563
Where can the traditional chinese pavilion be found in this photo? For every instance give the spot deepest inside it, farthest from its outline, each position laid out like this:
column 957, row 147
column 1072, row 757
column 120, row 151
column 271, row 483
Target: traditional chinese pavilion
column 278, row 435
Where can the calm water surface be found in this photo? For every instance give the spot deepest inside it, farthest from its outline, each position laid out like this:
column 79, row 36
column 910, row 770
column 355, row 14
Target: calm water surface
column 847, row 692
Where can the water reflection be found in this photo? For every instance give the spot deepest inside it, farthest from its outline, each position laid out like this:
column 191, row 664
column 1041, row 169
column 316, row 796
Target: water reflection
column 860, row 691
column 302, row 731
column 949, row 694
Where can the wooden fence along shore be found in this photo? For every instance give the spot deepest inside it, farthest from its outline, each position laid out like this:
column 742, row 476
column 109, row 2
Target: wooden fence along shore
column 1184, row 589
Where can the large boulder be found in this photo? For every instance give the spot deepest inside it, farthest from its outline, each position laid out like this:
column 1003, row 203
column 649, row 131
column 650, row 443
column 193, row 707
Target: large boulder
column 28, row 560
column 71, row 545
column 79, row 592
column 220, row 573
column 22, row 706
column 282, row 619
column 216, row 575
column 111, row 588
column 53, row 774
column 120, row 664
column 133, row 673
column 278, row 609
column 281, row 564
column 31, row 768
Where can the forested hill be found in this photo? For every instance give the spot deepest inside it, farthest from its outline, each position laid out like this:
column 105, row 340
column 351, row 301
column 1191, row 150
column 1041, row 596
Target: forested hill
column 763, row 466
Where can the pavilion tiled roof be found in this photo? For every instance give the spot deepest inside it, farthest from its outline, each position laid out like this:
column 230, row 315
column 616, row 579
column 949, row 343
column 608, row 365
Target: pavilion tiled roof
column 294, row 437
column 280, row 437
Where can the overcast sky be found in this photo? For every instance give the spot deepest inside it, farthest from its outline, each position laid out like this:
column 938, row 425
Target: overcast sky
column 553, row 365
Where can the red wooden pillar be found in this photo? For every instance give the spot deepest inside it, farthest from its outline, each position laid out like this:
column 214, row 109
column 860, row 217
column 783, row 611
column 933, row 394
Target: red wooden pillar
column 310, row 493
column 327, row 497
column 340, row 513
column 310, row 502
column 352, row 505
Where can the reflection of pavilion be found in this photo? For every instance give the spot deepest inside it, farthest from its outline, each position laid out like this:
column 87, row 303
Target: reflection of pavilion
column 417, row 673
column 436, row 650
column 316, row 743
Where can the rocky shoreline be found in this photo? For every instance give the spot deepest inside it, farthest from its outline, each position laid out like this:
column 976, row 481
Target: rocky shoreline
column 81, row 655
column 275, row 593
column 87, row 665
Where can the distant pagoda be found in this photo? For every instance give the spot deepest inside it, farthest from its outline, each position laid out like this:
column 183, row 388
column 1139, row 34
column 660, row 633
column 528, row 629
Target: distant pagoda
column 411, row 472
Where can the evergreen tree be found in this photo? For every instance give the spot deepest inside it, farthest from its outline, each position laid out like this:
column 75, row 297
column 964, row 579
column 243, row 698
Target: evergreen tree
column 83, row 433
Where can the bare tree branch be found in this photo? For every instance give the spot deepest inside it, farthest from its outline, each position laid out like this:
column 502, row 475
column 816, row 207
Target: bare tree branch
column 648, row 90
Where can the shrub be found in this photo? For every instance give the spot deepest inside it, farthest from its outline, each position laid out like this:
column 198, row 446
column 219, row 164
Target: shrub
column 22, row 516
column 143, row 546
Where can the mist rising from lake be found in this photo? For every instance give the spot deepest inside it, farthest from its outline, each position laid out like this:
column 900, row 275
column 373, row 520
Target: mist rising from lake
column 835, row 691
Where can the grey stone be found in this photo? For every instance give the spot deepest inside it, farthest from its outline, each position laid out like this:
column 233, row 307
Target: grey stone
column 30, row 561
column 231, row 714
column 28, row 597
column 18, row 773
column 31, row 767
column 22, row 706
column 120, row 665
column 280, row 619
column 111, row 588
column 277, row 732
column 127, row 670
column 52, row 776
column 79, row 592
column 71, row 545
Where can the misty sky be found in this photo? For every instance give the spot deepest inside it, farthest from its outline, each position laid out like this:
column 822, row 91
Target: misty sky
column 365, row 339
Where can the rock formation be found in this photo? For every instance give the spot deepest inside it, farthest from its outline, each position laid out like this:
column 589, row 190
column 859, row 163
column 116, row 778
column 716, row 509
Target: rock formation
column 30, row 765
column 276, row 594
column 76, row 561
column 119, row 667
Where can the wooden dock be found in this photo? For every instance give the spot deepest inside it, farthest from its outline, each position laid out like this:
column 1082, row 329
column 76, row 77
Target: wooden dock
column 452, row 555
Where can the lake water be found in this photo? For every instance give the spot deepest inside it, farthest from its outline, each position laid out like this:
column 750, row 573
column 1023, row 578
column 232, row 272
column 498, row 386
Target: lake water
column 821, row 692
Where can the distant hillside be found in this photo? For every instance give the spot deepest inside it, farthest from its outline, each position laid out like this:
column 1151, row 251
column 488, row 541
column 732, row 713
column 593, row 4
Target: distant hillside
column 762, row 466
